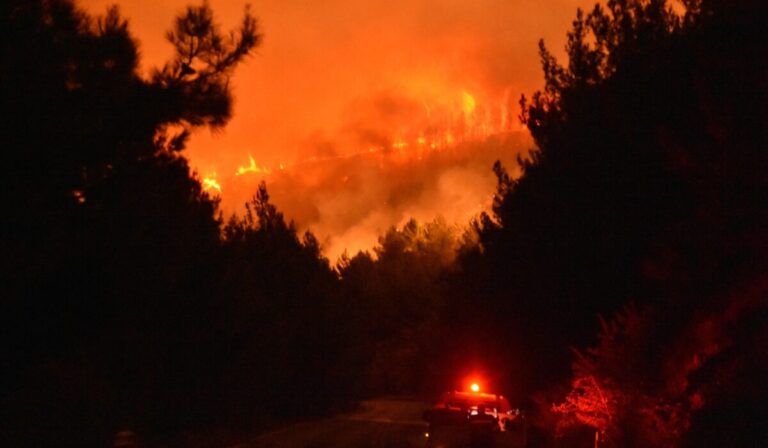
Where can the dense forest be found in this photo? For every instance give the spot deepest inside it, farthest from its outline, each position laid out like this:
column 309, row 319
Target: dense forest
column 621, row 277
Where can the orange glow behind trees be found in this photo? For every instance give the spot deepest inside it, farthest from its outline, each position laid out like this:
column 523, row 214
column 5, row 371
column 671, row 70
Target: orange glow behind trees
column 450, row 121
column 442, row 146
column 411, row 70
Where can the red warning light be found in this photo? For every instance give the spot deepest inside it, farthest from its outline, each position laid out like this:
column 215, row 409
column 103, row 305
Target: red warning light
column 475, row 387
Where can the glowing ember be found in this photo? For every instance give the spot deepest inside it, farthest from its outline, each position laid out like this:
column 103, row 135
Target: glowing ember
column 79, row 196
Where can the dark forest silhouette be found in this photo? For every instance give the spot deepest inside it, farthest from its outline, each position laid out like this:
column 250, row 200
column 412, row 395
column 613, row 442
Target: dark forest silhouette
column 638, row 228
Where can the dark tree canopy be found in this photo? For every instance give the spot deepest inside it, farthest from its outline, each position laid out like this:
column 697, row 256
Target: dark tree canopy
column 107, row 233
column 646, row 187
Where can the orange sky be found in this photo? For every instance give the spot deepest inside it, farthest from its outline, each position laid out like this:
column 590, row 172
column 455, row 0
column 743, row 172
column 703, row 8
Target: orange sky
column 337, row 78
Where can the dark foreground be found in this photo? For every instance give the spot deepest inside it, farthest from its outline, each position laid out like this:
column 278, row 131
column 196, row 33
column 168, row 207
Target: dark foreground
column 378, row 423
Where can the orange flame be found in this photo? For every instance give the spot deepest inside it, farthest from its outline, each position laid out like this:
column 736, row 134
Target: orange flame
column 399, row 144
column 468, row 101
column 210, row 182
column 79, row 196
column 251, row 168
column 444, row 128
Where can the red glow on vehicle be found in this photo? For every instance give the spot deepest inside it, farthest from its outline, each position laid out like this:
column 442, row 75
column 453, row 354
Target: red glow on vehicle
column 474, row 380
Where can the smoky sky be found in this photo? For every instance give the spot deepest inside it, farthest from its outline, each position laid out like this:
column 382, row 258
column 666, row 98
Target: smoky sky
column 336, row 78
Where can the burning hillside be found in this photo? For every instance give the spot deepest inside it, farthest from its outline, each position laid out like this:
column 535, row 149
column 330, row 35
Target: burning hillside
column 351, row 98
column 396, row 158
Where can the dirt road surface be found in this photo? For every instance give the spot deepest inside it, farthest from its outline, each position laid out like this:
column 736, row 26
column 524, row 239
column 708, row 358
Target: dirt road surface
column 377, row 424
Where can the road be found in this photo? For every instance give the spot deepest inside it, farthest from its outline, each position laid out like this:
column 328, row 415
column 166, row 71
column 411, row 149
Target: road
column 377, row 424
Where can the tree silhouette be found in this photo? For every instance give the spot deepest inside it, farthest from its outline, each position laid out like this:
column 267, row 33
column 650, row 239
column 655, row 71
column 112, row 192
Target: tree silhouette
column 204, row 61
column 391, row 303
column 644, row 188
column 276, row 292
column 108, row 232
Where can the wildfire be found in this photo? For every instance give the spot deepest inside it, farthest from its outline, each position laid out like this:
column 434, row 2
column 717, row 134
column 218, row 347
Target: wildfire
column 399, row 144
column 447, row 122
column 252, row 168
column 210, row 182
column 441, row 127
column 469, row 102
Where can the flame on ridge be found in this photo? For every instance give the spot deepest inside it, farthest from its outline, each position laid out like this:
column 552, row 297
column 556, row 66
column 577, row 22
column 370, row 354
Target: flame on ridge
column 252, row 168
column 210, row 183
column 443, row 127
